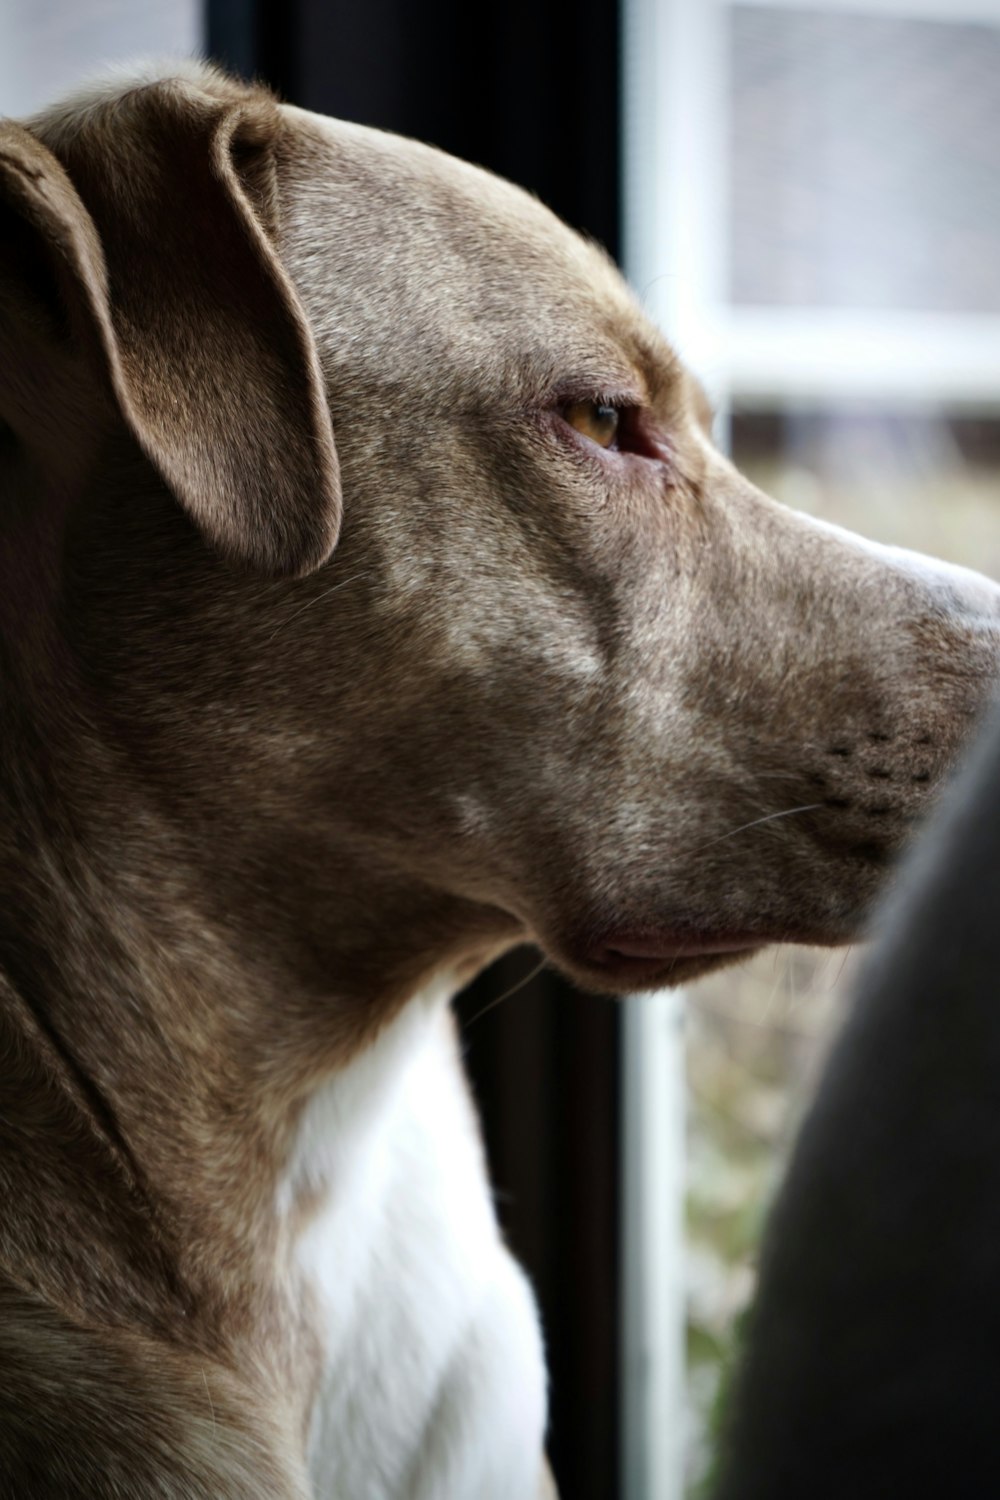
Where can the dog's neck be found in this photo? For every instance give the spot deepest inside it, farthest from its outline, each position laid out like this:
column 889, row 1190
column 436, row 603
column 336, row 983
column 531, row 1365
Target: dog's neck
column 176, row 1049
column 297, row 1210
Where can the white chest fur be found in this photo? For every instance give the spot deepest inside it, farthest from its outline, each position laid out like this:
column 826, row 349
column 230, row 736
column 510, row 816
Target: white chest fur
column 434, row 1384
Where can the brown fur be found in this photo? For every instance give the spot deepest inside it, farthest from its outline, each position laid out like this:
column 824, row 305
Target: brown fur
column 257, row 791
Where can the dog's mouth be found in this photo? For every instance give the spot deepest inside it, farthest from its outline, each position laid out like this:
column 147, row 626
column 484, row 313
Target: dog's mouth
column 641, row 959
column 637, row 954
column 665, row 946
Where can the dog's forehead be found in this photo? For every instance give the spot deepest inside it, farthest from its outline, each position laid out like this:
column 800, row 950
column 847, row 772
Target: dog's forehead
column 398, row 231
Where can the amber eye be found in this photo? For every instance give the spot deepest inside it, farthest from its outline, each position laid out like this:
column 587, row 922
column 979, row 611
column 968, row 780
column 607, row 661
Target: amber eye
column 594, row 420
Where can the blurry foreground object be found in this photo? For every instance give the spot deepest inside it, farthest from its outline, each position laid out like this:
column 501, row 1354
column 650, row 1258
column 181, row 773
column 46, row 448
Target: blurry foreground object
column 872, row 1363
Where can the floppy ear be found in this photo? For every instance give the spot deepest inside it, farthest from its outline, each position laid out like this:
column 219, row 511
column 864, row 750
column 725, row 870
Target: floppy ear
column 147, row 251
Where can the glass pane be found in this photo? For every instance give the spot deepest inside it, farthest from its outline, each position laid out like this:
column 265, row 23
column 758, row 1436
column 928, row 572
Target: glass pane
column 864, row 169
column 49, row 46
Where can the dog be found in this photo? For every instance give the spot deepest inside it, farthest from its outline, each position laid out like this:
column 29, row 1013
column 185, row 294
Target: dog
column 373, row 599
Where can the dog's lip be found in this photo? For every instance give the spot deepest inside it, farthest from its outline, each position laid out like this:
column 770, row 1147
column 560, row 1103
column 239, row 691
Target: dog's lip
column 649, row 948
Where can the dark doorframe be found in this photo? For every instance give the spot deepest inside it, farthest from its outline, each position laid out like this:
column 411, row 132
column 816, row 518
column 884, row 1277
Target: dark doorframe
column 531, row 91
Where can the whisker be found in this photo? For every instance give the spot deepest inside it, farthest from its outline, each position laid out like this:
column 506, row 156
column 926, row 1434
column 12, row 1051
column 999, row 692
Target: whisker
column 211, row 1403
column 310, row 602
column 755, row 823
column 506, row 994
column 840, row 972
column 765, row 1016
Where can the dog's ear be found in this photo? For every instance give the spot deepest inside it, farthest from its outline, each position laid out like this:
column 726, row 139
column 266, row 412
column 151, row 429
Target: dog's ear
column 147, row 249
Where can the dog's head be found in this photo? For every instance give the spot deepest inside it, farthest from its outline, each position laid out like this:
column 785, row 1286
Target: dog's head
column 565, row 673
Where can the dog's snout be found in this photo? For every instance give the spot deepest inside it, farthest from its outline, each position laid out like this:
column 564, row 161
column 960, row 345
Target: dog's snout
column 948, row 588
column 959, row 593
column 871, row 788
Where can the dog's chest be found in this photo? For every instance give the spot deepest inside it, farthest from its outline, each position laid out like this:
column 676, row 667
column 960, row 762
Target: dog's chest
column 433, row 1379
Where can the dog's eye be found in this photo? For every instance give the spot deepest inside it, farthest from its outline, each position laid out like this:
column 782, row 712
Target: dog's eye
column 594, row 420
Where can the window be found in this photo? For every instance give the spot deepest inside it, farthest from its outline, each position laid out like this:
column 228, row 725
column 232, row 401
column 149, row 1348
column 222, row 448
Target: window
column 813, row 213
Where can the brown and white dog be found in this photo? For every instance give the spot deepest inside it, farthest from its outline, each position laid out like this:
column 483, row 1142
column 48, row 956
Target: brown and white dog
column 372, row 599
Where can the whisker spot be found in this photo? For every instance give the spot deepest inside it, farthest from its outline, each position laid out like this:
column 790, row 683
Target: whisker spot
column 874, row 853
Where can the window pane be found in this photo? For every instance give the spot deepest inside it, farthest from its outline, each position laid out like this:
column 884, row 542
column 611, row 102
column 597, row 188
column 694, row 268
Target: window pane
column 48, row 46
column 864, row 169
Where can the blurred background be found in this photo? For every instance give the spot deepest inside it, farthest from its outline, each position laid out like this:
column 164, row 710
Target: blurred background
column 807, row 197
column 838, row 178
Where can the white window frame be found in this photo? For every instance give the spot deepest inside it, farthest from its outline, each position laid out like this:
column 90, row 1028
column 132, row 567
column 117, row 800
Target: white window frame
column 778, row 354
column 679, row 238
